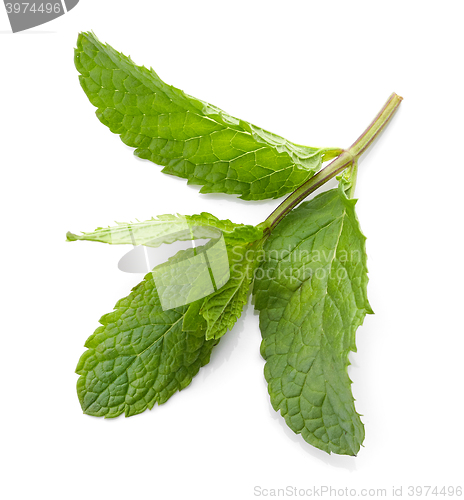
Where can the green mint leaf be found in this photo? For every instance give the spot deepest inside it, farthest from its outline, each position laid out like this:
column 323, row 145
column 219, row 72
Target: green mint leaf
column 139, row 356
column 190, row 138
column 169, row 228
column 311, row 294
column 222, row 309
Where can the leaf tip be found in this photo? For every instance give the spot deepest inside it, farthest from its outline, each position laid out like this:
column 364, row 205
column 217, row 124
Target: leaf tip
column 72, row 237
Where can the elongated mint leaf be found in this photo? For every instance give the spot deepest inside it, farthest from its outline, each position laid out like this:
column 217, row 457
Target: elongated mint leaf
column 190, row 138
column 139, row 356
column 311, row 294
column 169, row 228
column 222, row 309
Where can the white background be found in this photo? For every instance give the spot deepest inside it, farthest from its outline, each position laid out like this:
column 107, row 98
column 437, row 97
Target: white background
column 316, row 73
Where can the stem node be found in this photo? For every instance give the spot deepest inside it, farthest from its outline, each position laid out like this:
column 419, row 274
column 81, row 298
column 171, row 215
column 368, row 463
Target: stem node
column 344, row 160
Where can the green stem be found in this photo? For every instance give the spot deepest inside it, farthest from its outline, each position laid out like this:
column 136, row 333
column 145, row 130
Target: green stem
column 347, row 158
column 324, row 175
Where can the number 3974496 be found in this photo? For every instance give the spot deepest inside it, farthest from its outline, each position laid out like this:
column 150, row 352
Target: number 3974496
column 34, row 7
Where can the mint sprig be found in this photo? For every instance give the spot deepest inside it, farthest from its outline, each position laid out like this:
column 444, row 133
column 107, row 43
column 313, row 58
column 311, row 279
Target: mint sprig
column 306, row 263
